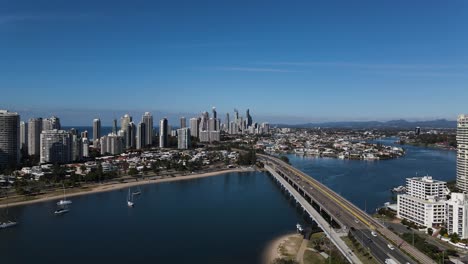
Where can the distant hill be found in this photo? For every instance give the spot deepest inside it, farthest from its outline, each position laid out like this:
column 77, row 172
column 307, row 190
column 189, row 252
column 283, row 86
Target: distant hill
column 401, row 124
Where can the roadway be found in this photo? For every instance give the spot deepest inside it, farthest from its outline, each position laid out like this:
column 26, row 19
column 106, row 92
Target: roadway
column 349, row 216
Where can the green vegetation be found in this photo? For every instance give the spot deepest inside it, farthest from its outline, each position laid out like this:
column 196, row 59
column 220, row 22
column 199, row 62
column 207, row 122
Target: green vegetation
column 385, row 212
column 411, row 224
column 321, row 243
column 284, row 261
column 285, row 159
column 357, row 249
column 421, row 244
column 247, row 158
column 432, row 139
column 362, row 253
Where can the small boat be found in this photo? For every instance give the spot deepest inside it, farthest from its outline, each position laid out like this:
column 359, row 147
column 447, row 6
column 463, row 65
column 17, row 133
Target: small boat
column 130, row 202
column 299, row 228
column 61, row 211
column 7, row 224
column 64, row 201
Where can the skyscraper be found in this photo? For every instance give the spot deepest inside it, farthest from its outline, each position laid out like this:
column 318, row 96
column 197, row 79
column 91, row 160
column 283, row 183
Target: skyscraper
column 183, row 138
column 163, row 136
column 141, row 136
column 23, row 136
column 183, row 122
column 148, row 120
column 130, row 135
column 96, row 131
column 56, row 146
column 114, row 126
column 248, row 118
column 124, row 121
column 215, row 115
column 462, row 153
column 194, row 127
column 226, row 123
column 85, row 145
column 76, row 147
column 9, row 138
column 51, row 123
column 34, row 136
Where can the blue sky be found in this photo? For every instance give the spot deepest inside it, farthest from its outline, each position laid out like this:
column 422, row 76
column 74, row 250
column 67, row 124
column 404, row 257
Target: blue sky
column 288, row 61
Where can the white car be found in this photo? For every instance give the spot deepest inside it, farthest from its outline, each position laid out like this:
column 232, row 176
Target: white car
column 374, row 234
column 391, row 247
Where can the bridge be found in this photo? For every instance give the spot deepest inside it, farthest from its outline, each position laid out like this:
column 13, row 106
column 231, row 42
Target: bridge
column 337, row 216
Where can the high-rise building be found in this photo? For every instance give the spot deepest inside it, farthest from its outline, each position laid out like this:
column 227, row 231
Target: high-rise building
column 424, row 201
column 112, row 144
column 51, row 123
column 77, row 147
column 212, row 124
column 141, row 136
column 84, row 134
column 96, row 131
column 34, row 136
column 194, row 127
column 183, row 122
column 148, row 120
column 114, row 126
column 9, row 139
column 226, row 123
column 183, row 138
column 85, row 145
column 124, row 121
column 24, row 136
column 248, row 118
column 130, row 135
column 462, row 153
column 215, row 114
column 417, row 131
column 56, row 146
column 163, row 134
column 456, row 214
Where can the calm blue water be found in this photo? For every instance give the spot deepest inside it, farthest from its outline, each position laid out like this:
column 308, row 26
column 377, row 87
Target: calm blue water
column 369, row 182
column 222, row 219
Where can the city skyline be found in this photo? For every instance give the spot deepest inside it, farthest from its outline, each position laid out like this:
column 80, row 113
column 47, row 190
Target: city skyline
column 313, row 62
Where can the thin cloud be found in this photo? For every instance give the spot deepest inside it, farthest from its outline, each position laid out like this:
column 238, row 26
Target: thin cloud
column 390, row 66
column 18, row 18
column 249, row 69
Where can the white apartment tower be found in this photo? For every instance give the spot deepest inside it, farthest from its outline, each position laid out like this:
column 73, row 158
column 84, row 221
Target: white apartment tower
column 462, row 153
column 183, row 138
column 23, row 136
column 148, row 120
column 424, row 201
column 456, row 211
column 194, row 127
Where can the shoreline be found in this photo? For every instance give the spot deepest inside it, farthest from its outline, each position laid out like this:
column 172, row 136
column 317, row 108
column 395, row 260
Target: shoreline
column 116, row 186
column 271, row 251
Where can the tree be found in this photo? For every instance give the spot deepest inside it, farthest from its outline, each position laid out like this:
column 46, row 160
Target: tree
column 430, row 231
column 132, row 172
column 285, row 159
column 454, row 238
column 284, row 261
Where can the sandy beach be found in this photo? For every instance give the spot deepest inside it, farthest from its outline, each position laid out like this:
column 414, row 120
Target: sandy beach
column 272, row 250
column 115, row 186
